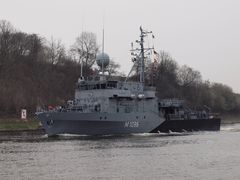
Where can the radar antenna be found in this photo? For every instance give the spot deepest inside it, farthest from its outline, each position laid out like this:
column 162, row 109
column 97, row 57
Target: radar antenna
column 139, row 55
column 102, row 59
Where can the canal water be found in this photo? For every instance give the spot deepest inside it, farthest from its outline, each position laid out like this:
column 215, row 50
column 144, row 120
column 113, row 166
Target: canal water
column 197, row 155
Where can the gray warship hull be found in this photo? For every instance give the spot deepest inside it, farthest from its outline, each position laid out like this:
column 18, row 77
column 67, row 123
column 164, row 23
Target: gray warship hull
column 105, row 105
column 56, row 123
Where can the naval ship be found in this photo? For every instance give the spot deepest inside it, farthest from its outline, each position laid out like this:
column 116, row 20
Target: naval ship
column 104, row 105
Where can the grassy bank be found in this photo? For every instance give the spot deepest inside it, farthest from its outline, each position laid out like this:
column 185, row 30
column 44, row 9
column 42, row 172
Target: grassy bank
column 14, row 124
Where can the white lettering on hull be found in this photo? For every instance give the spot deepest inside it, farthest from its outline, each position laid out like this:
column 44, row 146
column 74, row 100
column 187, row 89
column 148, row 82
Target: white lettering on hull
column 131, row 124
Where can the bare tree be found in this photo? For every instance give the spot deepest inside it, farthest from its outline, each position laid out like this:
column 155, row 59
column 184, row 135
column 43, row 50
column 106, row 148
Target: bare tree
column 85, row 48
column 6, row 31
column 167, row 67
column 163, row 75
column 6, row 26
column 55, row 51
column 223, row 97
column 187, row 76
column 113, row 68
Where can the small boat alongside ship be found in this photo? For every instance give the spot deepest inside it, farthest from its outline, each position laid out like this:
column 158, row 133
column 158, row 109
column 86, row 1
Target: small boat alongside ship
column 106, row 105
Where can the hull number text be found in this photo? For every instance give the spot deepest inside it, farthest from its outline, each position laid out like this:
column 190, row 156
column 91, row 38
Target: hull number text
column 131, row 124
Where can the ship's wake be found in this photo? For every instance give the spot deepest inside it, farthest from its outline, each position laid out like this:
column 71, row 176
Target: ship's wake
column 231, row 127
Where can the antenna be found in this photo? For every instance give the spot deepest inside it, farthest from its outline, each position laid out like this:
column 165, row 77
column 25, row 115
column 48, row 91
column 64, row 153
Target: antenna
column 142, row 78
column 139, row 59
column 103, row 46
column 81, row 60
column 102, row 59
column 103, row 24
column 103, row 40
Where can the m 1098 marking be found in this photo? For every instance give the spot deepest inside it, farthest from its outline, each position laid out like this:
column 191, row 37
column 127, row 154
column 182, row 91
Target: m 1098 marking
column 131, row 124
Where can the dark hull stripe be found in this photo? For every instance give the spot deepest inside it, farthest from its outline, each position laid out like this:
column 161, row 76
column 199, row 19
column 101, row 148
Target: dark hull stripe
column 189, row 125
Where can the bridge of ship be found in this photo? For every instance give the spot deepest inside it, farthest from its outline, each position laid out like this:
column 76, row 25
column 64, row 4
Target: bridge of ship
column 112, row 96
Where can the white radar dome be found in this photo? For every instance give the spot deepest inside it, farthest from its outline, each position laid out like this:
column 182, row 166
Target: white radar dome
column 102, row 60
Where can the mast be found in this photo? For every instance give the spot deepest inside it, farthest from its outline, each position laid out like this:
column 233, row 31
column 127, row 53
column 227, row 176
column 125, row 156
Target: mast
column 103, row 41
column 102, row 59
column 103, row 49
column 139, row 57
column 80, row 58
column 142, row 62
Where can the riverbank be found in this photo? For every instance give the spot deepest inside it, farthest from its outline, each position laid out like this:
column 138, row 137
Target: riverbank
column 15, row 124
column 230, row 119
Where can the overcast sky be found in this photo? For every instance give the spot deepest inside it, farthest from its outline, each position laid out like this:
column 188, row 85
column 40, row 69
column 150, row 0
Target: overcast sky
column 203, row 34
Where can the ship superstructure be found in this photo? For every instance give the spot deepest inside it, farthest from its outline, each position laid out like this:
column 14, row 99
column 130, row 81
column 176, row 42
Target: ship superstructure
column 103, row 105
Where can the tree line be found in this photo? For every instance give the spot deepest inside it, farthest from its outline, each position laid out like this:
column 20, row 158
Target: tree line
column 183, row 82
column 35, row 72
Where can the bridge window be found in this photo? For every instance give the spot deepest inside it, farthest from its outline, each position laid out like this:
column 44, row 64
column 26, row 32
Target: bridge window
column 103, row 86
column 112, row 84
